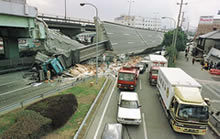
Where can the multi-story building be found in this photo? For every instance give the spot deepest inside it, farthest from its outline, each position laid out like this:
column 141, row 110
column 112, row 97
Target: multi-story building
column 140, row 22
column 207, row 24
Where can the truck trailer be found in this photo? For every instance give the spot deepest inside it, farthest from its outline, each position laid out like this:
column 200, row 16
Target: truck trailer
column 180, row 96
column 127, row 78
column 156, row 61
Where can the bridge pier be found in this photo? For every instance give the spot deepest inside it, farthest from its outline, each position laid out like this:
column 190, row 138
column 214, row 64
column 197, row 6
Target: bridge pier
column 11, row 49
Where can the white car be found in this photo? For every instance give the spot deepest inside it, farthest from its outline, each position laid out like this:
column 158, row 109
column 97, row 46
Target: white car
column 129, row 111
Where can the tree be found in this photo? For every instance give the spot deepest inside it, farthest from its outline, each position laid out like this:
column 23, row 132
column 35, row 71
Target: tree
column 181, row 40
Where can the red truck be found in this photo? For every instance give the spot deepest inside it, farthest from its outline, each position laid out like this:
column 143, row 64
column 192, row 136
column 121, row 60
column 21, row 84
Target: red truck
column 127, row 78
column 156, row 61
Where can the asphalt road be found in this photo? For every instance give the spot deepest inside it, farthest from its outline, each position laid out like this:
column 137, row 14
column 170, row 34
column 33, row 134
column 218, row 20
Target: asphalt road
column 14, row 88
column 125, row 39
column 154, row 122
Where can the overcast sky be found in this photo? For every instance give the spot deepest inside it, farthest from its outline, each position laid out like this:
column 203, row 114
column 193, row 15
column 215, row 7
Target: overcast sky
column 109, row 9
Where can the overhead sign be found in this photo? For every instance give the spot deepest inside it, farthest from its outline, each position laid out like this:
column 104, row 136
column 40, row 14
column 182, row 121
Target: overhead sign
column 206, row 20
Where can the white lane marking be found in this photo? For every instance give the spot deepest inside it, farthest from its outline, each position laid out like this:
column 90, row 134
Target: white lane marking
column 140, row 85
column 215, row 101
column 100, row 121
column 7, row 83
column 145, row 129
column 193, row 136
column 211, row 90
column 127, row 34
column 130, row 42
column 114, row 43
column 110, row 33
column 9, row 92
column 207, row 81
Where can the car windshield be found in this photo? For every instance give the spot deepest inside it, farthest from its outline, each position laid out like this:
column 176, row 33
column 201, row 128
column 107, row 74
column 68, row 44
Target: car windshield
column 126, row 77
column 193, row 112
column 129, row 104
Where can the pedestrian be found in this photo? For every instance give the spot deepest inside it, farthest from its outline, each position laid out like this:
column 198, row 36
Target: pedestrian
column 187, row 58
column 211, row 65
column 186, row 54
column 193, row 60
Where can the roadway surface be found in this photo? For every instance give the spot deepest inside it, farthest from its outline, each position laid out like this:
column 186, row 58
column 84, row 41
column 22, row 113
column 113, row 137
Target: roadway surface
column 154, row 122
column 125, row 39
column 15, row 89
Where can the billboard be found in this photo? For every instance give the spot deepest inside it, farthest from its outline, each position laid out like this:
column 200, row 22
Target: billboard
column 206, row 20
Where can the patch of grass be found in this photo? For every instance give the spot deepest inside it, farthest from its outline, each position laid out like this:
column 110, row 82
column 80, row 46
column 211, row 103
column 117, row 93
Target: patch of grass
column 6, row 121
column 85, row 95
column 82, row 92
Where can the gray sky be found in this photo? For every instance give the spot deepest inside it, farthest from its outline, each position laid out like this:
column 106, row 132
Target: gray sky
column 109, row 9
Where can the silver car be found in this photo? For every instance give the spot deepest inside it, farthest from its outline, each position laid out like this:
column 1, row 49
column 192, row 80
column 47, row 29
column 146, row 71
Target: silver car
column 129, row 111
column 113, row 131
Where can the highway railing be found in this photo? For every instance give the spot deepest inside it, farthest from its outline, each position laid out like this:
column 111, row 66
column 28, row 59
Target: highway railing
column 21, row 104
column 47, row 17
column 214, row 122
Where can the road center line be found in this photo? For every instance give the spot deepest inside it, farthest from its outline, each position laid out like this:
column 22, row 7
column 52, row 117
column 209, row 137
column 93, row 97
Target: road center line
column 9, row 92
column 7, row 83
column 103, row 114
column 144, row 124
column 140, row 85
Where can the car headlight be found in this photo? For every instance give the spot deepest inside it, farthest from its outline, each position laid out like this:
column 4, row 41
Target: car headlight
column 131, row 85
column 178, row 124
column 119, row 84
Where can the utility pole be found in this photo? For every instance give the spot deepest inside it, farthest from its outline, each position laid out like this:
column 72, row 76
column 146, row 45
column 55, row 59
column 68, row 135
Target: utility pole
column 182, row 20
column 129, row 11
column 65, row 10
column 178, row 22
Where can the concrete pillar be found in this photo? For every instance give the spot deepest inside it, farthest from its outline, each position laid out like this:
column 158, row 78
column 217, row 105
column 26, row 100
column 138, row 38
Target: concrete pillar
column 11, row 49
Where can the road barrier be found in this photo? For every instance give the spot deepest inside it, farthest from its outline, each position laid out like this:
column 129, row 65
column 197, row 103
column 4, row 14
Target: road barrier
column 41, row 96
column 214, row 122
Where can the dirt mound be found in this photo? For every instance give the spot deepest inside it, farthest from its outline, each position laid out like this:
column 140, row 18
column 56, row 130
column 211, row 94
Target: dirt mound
column 29, row 124
column 58, row 108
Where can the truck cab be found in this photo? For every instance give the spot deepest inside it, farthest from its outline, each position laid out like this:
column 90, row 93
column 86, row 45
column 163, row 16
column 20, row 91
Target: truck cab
column 153, row 73
column 189, row 112
column 127, row 78
column 156, row 61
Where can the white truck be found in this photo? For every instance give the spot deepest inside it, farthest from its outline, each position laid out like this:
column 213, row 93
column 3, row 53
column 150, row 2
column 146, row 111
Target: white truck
column 180, row 96
column 156, row 61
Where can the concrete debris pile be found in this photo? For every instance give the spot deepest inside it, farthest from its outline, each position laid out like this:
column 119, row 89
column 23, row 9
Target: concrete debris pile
column 82, row 70
column 133, row 61
column 57, row 53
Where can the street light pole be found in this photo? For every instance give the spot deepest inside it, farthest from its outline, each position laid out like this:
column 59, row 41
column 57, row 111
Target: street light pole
column 173, row 28
column 65, row 10
column 97, row 36
column 129, row 11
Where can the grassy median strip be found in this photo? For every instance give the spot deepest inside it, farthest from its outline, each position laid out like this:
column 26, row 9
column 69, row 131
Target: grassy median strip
column 85, row 93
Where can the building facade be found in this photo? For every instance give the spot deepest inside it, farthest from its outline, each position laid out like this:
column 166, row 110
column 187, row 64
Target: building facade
column 139, row 22
column 208, row 24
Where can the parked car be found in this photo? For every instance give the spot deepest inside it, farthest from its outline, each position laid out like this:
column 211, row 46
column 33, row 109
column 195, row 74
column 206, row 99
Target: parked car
column 129, row 111
column 113, row 131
